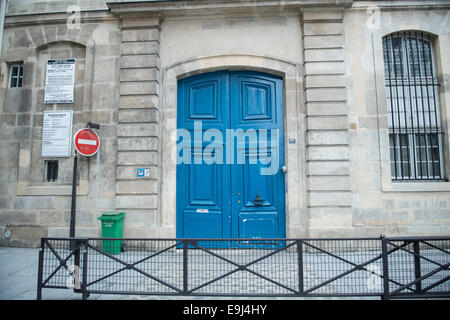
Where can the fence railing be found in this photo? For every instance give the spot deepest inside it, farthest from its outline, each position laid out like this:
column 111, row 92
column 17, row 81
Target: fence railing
column 386, row 267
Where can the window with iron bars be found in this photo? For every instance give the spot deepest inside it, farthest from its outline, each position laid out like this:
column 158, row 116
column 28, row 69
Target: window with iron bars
column 415, row 135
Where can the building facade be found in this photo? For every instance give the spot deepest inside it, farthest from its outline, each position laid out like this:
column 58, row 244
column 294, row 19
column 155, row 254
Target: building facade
column 359, row 92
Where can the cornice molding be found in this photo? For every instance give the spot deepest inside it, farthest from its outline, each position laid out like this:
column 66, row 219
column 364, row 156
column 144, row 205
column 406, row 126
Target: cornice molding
column 208, row 7
column 56, row 18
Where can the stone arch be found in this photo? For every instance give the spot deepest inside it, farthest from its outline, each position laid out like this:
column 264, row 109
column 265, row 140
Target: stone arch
column 291, row 73
column 403, row 29
column 36, row 78
column 75, row 39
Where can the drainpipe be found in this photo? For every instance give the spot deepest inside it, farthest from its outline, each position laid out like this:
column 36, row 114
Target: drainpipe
column 2, row 22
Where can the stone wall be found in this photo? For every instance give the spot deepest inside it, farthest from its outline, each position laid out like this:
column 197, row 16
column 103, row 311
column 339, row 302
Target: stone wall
column 31, row 207
column 129, row 58
column 138, row 124
column 379, row 205
column 328, row 153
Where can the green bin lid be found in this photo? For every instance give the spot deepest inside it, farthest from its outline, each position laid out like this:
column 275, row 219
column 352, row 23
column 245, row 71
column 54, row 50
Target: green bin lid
column 111, row 215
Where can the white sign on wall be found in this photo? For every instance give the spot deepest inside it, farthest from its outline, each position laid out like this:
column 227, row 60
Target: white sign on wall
column 60, row 81
column 57, row 134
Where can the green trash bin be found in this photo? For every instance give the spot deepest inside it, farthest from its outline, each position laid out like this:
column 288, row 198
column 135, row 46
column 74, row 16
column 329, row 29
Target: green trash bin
column 112, row 227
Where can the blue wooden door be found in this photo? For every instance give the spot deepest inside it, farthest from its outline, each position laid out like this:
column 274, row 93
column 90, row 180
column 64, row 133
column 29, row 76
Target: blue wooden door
column 203, row 206
column 257, row 188
column 235, row 188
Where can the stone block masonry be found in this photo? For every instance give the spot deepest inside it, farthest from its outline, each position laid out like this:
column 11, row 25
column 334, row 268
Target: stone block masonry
column 130, row 56
column 327, row 137
column 138, row 120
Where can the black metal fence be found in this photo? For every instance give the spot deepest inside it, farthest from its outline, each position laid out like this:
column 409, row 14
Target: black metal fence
column 385, row 267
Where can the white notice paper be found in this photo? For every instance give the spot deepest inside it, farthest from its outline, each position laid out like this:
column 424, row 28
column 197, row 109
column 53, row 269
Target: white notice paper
column 59, row 81
column 57, row 134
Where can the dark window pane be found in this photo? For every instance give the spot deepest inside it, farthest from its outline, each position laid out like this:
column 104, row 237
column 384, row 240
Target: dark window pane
column 52, row 170
column 13, row 83
column 423, row 169
column 437, row 169
column 405, row 169
column 14, row 71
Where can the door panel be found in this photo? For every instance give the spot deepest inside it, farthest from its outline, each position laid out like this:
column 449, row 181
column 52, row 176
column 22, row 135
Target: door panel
column 257, row 198
column 233, row 199
column 203, row 204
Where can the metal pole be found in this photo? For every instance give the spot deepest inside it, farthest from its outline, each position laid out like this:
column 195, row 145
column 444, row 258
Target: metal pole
column 77, row 249
column 74, row 201
column 40, row 270
column 84, row 292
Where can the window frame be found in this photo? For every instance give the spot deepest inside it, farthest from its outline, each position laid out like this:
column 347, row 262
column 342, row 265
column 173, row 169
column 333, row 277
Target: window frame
column 51, row 170
column 18, row 77
column 398, row 80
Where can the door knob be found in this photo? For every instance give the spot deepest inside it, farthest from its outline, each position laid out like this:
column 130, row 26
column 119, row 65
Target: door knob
column 258, row 202
column 284, row 169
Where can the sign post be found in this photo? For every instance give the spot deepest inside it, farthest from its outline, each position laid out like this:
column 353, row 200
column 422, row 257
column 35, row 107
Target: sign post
column 87, row 143
column 74, row 199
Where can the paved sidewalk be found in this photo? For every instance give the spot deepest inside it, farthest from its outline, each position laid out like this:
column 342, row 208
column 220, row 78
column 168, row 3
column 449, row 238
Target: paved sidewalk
column 18, row 273
column 18, row 281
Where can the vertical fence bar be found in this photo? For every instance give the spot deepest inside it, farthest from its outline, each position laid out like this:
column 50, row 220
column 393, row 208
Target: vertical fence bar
column 417, row 271
column 384, row 254
column 301, row 288
column 76, row 248
column 40, row 270
column 84, row 292
column 185, row 266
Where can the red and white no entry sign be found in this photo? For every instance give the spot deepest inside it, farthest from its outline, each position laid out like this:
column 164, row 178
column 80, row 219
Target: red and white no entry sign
column 87, row 142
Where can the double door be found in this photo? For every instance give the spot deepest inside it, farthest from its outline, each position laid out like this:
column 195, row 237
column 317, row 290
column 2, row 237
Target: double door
column 230, row 149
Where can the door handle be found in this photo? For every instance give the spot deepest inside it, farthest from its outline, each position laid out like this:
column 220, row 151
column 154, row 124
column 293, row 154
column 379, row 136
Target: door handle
column 258, row 202
column 284, row 169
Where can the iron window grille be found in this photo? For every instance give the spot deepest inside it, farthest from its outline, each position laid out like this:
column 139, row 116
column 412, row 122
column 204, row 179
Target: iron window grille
column 415, row 135
column 16, row 75
column 52, row 170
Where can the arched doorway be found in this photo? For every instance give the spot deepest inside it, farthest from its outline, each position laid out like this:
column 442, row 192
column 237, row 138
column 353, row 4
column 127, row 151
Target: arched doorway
column 230, row 148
